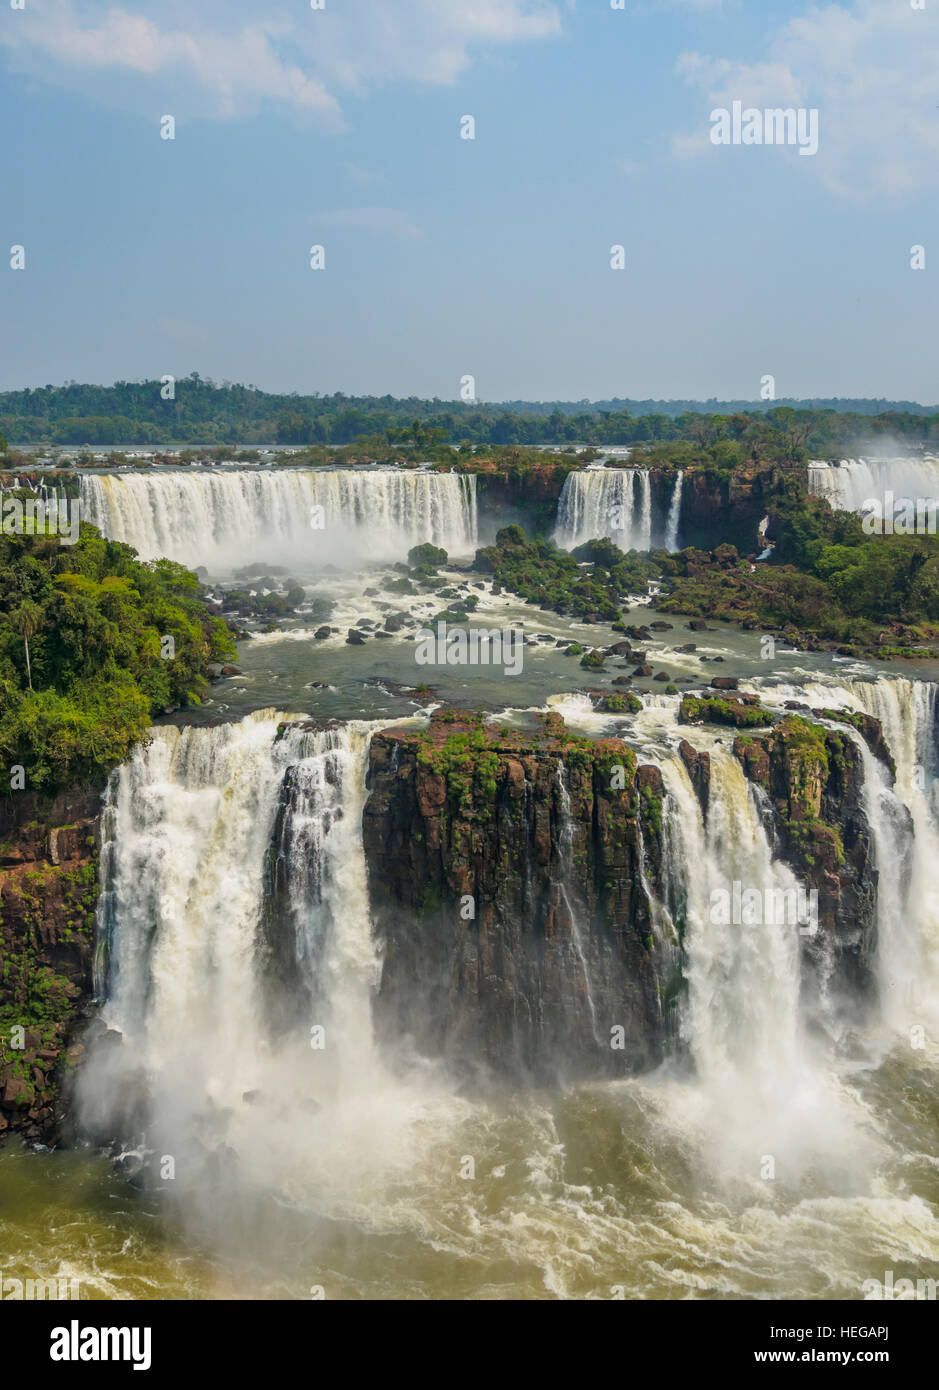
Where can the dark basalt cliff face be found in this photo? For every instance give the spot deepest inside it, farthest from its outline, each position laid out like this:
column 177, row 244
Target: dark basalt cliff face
column 725, row 509
column 48, row 892
column 813, row 779
column 510, row 878
column 527, row 497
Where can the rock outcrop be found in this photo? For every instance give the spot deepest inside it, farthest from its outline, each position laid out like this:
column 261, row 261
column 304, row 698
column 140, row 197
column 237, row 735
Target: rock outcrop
column 739, row 711
column 699, row 770
column 526, row 496
column 512, row 877
column 726, row 507
column 813, row 779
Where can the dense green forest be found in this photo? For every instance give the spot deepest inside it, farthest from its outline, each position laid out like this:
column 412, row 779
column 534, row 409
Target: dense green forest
column 93, row 643
column 205, row 413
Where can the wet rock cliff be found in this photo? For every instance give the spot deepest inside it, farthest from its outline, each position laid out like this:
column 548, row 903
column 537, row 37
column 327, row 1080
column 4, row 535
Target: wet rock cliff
column 812, row 778
column 48, row 892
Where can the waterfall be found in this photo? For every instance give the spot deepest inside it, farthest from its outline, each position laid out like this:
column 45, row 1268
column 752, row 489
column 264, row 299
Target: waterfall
column 320, row 868
column 613, row 502
column 224, row 518
column 208, row 831
column 848, row 485
column 764, row 1091
column 743, row 998
column 742, row 1016
column 565, row 888
column 674, row 513
column 904, row 819
column 645, row 510
column 742, row 1020
column 908, row 893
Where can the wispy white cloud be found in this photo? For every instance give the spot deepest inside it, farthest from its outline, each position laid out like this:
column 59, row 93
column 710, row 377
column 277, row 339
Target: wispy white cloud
column 870, row 69
column 224, row 57
column 385, row 220
column 363, row 178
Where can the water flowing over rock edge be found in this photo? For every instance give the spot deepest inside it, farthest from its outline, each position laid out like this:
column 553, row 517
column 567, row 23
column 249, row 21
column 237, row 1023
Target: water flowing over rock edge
column 583, row 907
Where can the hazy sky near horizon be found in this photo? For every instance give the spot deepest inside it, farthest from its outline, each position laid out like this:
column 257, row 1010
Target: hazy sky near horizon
column 444, row 256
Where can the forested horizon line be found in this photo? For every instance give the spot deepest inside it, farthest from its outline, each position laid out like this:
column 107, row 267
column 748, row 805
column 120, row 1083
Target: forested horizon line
column 193, row 409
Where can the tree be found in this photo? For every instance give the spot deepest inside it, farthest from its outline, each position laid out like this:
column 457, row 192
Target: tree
column 26, row 621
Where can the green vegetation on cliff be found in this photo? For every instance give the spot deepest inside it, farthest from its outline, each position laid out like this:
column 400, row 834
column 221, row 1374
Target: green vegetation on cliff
column 469, row 754
column 93, row 643
column 735, row 711
column 827, row 579
column 794, row 763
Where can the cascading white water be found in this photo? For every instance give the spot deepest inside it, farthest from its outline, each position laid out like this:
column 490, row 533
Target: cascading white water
column 565, row 882
column 766, row 1090
column 271, row 1125
column 192, row 820
column 185, row 885
column 224, row 518
column 904, row 820
column 192, row 814
column 612, row 502
column 765, row 1048
column 743, row 1003
column 674, row 513
column 908, row 914
column 741, row 1020
column 849, row 485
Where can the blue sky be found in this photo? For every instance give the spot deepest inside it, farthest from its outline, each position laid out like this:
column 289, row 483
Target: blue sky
column 491, row 257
